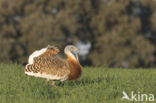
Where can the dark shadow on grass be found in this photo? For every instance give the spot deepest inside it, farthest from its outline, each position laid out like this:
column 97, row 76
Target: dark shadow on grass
column 82, row 82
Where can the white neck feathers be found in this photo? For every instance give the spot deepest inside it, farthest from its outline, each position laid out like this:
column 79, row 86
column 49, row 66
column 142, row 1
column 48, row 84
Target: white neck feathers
column 72, row 55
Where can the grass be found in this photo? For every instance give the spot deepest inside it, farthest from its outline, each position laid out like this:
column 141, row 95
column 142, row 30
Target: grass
column 96, row 85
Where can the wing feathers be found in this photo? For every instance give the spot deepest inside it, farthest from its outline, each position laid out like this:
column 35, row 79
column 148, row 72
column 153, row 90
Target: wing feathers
column 44, row 63
column 47, row 65
column 32, row 68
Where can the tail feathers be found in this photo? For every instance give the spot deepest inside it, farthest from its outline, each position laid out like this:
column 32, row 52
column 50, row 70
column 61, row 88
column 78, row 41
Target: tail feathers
column 32, row 68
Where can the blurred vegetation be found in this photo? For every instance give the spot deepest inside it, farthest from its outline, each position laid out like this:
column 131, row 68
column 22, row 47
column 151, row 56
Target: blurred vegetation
column 121, row 32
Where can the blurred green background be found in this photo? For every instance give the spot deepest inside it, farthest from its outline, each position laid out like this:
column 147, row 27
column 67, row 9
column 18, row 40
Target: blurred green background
column 112, row 33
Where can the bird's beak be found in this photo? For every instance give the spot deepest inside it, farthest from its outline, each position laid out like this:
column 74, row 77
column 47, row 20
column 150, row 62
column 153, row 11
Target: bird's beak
column 77, row 49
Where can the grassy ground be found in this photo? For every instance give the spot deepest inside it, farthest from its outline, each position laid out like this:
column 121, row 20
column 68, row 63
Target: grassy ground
column 97, row 85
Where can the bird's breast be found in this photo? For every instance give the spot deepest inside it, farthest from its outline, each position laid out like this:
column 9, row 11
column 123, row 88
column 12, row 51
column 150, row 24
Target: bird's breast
column 75, row 69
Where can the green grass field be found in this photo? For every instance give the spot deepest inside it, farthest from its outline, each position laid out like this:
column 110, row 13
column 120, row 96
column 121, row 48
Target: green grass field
column 96, row 85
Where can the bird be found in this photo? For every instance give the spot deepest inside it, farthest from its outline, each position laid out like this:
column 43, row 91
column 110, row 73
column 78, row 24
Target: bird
column 45, row 63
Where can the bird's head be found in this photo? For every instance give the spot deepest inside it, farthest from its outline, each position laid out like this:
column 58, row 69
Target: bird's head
column 71, row 50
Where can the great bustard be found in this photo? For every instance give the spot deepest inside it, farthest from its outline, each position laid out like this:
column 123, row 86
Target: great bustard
column 45, row 64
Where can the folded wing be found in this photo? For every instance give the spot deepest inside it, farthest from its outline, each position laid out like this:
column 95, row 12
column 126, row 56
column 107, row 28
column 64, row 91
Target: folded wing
column 47, row 65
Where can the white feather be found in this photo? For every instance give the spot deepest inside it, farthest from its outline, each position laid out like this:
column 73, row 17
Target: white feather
column 47, row 76
column 35, row 54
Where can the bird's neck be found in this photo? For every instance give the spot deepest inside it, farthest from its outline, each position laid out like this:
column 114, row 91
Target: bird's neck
column 75, row 67
column 72, row 56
